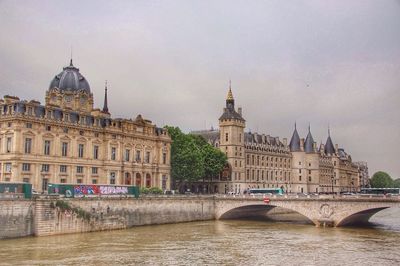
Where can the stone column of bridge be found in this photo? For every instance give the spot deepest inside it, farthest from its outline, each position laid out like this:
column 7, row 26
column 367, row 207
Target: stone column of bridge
column 321, row 211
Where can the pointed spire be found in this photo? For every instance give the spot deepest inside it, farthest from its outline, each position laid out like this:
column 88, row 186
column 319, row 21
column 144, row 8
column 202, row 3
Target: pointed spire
column 105, row 106
column 329, row 148
column 309, row 143
column 70, row 62
column 230, row 95
column 294, row 144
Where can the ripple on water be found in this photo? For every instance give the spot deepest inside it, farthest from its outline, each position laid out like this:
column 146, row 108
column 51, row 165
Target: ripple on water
column 233, row 242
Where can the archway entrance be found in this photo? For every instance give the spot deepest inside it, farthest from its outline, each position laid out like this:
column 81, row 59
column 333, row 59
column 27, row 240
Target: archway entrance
column 128, row 179
column 138, row 180
column 148, row 180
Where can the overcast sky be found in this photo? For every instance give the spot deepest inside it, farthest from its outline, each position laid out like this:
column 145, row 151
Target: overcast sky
column 319, row 62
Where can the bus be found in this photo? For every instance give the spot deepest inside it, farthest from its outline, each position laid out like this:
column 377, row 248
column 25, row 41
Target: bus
column 381, row 191
column 255, row 191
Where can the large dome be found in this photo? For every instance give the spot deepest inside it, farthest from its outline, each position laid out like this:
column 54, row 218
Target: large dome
column 70, row 79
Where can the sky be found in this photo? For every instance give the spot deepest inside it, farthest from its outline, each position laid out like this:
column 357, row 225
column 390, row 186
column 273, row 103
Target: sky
column 324, row 63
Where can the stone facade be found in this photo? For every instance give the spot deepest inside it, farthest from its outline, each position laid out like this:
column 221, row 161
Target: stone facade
column 67, row 140
column 261, row 161
column 364, row 175
column 325, row 170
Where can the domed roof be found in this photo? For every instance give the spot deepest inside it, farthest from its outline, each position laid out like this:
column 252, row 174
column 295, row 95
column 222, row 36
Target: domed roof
column 70, row 79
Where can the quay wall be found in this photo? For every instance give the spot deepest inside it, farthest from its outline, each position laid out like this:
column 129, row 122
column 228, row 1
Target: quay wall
column 44, row 216
column 16, row 218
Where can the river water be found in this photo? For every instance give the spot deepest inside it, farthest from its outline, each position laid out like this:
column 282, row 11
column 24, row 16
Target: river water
column 229, row 242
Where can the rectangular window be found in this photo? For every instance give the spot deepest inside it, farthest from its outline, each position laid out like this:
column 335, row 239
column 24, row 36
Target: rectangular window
column 94, row 170
column 26, row 167
column 79, row 169
column 113, row 152
column 79, row 181
column 226, row 136
column 127, row 154
column 94, row 181
column 112, row 178
column 64, row 149
column 309, row 179
column 138, row 159
column 63, row 168
column 28, row 145
column 95, row 152
column 164, row 158
column 47, row 147
column 7, row 167
column 28, row 125
column 80, row 150
column 45, row 167
column 63, row 180
column 147, row 159
column 8, row 145
column 25, row 180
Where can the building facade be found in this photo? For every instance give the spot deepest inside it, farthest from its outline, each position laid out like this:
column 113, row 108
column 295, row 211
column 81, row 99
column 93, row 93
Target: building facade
column 328, row 169
column 364, row 175
column 67, row 140
column 261, row 161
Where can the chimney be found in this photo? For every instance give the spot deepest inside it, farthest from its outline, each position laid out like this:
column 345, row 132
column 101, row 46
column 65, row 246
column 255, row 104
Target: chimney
column 322, row 148
column 263, row 138
column 336, row 148
column 240, row 111
column 302, row 144
column 314, row 146
column 285, row 141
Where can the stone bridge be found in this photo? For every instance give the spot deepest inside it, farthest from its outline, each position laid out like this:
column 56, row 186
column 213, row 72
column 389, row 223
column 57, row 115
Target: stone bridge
column 322, row 211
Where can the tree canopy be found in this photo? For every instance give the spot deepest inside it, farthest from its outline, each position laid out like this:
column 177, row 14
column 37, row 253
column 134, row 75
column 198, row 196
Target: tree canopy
column 192, row 158
column 396, row 183
column 381, row 180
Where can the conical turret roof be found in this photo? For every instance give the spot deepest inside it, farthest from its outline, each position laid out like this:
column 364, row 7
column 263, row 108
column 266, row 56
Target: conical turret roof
column 329, row 148
column 309, row 143
column 294, row 144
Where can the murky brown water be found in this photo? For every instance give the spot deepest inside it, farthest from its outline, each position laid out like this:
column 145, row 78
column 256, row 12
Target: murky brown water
column 230, row 242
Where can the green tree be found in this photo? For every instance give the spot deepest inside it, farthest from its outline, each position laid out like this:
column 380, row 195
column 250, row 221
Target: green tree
column 381, row 180
column 192, row 158
column 213, row 159
column 396, row 183
column 186, row 158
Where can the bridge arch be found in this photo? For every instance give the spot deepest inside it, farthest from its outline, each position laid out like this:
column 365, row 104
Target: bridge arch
column 321, row 211
column 359, row 218
column 265, row 211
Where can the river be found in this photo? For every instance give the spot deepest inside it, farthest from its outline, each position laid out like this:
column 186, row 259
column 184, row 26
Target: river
column 229, row 242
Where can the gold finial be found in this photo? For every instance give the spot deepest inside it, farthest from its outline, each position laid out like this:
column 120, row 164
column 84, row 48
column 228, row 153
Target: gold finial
column 230, row 95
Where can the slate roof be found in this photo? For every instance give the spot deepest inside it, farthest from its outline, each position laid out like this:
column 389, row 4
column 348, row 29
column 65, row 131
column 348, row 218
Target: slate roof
column 70, row 79
column 294, row 144
column 309, row 143
column 329, row 148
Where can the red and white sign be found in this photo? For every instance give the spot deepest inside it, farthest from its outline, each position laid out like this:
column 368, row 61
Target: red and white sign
column 266, row 200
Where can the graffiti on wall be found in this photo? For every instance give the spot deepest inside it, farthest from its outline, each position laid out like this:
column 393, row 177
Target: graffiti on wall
column 88, row 190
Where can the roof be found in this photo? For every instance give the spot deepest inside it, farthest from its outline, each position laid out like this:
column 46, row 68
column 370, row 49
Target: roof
column 309, row 143
column 70, row 80
column 231, row 114
column 329, row 148
column 294, row 144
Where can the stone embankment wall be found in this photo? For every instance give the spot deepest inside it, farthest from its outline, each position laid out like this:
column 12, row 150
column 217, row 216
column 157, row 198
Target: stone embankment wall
column 16, row 218
column 44, row 216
